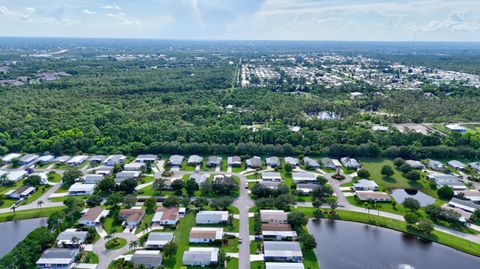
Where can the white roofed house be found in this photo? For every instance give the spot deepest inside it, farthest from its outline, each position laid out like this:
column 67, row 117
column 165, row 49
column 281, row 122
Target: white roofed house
column 81, row 189
column 415, row 164
column 447, row 180
column 92, row 178
column 457, row 165
column 9, row 157
column 269, row 184
column 299, row 177
column 13, row 175
column 28, row 159
column 331, row 163
column 211, row 217
column 273, row 162
column 278, row 232
column 133, row 166
column 113, row 160
column 234, row 161
column 97, row 159
column 199, row 256
column 62, row 159
column 194, row 160
column 456, row 128
column 279, row 251
column 435, row 165
column 254, row 162
column 472, row 195
column 475, row 166
column 77, row 160
column 350, row 163
column 293, row 161
column 45, row 159
column 156, row 240
column 145, row 158
column 148, row 259
column 306, row 188
column 213, row 161
column 175, row 160
column 466, row 205
column 22, row 192
column 284, row 265
column 272, row 176
column 199, row 177
column 372, row 196
column 104, row 170
column 203, row 235
column 379, row 128
column 71, row 238
column 93, row 216
column 58, row 258
column 311, row 163
column 167, row 216
column 365, row 185
column 121, row 176
column 274, row 216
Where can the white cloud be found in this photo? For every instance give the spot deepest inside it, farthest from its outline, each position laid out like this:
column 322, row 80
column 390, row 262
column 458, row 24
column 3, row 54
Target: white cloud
column 30, row 14
column 456, row 21
column 122, row 19
column 111, row 7
column 88, row 12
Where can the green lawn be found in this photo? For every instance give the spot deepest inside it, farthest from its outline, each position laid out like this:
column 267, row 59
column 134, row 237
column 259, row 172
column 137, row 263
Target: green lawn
column 17, row 185
column 110, row 227
column 61, row 199
column 186, row 167
column 62, row 189
column 239, row 169
column 30, row 214
column 56, row 178
column 7, row 202
column 254, row 245
column 145, row 223
column 37, row 194
column 232, row 245
column 397, row 181
column 115, row 243
column 88, row 257
column 223, row 166
column 232, row 263
column 251, row 225
column 436, row 236
column 149, row 191
column 382, row 206
column 257, row 265
column 182, row 234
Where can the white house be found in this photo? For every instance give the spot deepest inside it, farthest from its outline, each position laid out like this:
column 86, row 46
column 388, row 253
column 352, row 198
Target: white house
column 350, row 163
column 415, row 164
column 456, row 128
column 204, row 235
column 71, row 238
column 167, row 216
column 113, row 160
column 126, row 175
column 132, row 217
column 279, row 251
column 134, row 166
column 457, row 165
column 199, row 177
column 293, row 161
column 194, row 160
column 211, row 217
column 81, row 189
column 149, row 259
column 9, row 157
column 468, row 206
column 365, row 185
column 157, row 240
column 274, row 216
column 46, row 159
column 447, row 180
column 284, row 265
column 199, row 256
column 13, row 175
column 303, row 177
column 28, row 159
column 77, row 160
column 146, row 158
column 22, row 192
column 331, row 163
column 92, row 178
column 93, row 216
column 271, row 176
column 58, row 258
column 62, row 159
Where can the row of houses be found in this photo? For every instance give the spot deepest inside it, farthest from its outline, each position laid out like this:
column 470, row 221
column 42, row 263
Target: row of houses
column 367, row 190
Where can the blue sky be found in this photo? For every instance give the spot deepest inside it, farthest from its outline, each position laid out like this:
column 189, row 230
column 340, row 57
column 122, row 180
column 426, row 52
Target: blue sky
column 386, row 20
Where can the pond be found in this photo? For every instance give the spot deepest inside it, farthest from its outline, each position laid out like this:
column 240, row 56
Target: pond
column 349, row 245
column 15, row 231
column 400, row 194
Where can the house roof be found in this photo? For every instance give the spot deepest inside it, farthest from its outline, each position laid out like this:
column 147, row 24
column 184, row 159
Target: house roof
column 213, row 215
column 207, row 233
column 282, row 249
column 303, row 176
column 214, row 159
column 92, row 214
column 271, row 175
column 291, row 160
column 311, row 162
column 147, row 257
column 455, row 163
column 273, row 214
column 25, row 189
column 195, row 159
column 132, row 215
column 364, row 183
column 284, row 265
column 273, row 160
column 199, row 177
column 176, row 159
column 160, row 237
column 68, row 234
column 254, row 162
column 146, row 157
column 29, row 158
column 98, row 158
column 349, row 162
column 80, row 187
column 276, row 227
column 199, row 254
column 78, row 159
column 372, row 195
column 165, row 213
column 234, row 159
column 464, row 203
column 127, row 174
column 58, row 256
column 269, row 184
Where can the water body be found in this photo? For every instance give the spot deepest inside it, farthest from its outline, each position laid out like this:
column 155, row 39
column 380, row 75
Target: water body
column 349, row 245
column 401, row 194
column 13, row 232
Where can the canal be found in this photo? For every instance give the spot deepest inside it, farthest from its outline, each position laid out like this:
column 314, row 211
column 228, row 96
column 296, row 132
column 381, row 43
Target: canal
column 13, row 232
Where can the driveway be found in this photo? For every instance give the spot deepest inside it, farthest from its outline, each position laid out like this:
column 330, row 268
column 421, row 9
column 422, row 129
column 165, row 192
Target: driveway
column 106, row 256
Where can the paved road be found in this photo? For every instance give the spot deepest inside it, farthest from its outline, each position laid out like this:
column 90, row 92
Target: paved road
column 43, row 198
column 107, row 256
column 244, row 203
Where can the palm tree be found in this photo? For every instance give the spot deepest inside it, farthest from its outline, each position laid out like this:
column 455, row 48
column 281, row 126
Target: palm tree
column 14, row 207
column 134, row 244
column 40, row 203
column 109, row 236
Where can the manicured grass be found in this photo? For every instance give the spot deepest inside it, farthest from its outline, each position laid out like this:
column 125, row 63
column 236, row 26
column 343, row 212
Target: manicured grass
column 232, row 263
column 186, row 167
column 348, row 184
column 115, row 243
column 382, row 206
column 204, row 167
column 182, row 234
column 63, row 188
column 310, row 259
column 61, row 199
column 232, row 245
column 17, row 185
column 397, row 181
column 233, row 210
column 149, row 191
column 436, row 236
column 147, row 179
column 239, row 169
column 145, row 223
column 110, row 227
column 251, row 225
column 30, row 214
column 56, row 178
column 254, row 245
column 257, row 265
column 88, row 257
column 41, row 190
column 223, row 166
column 7, row 202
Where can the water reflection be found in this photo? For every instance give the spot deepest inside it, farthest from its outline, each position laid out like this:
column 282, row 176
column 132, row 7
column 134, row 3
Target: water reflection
column 15, row 231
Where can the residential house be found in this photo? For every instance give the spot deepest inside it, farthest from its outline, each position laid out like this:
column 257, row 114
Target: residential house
column 133, row 166
column 466, row 205
column 22, row 192
column 97, row 159
column 379, row 128
column 306, row 187
column 175, row 160
column 456, row 128
column 133, row 217
column 58, row 258
column 113, row 160
column 284, row 265
column 269, row 184
column 166, row 216
column 104, row 170
column 457, row 165
column 45, row 159
column 447, row 180
column 14, row 175
column 331, row 163
column 273, row 162
column 199, row 177
column 278, row 232
column 365, row 185
column 472, row 195
column 255, row 162
column 93, row 216
column 28, row 159
column 9, row 157
column 71, row 238
column 157, row 240
column 149, row 259
column 350, row 163
column 303, row 177
column 198, row 256
column 205, row 235
column 274, row 216
column 293, row 161
column 475, row 166
column 311, row 163
column 415, row 164
column 62, row 159
column 435, row 165
column 275, row 251
column 194, row 160
column 126, row 175
column 234, row 161
column 271, row 176
column 211, row 217
column 372, row 196
column 146, row 158
column 77, row 160
column 214, row 161
column 92, row 178
column 81, row 189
